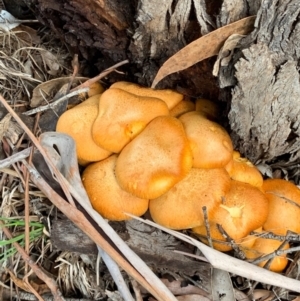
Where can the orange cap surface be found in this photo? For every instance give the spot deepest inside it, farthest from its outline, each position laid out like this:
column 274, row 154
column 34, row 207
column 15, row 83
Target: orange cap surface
column 207, row 108
column 170, row 97
column 284, row 206
column 241, row 169
column 122, row 116
column 77, row 122
column 215, row 235
column 210, row 143
column 181, row 206
column 182, row 107
column 157, row 159
column 244, row 209
column 263, row 246
column 106, row 195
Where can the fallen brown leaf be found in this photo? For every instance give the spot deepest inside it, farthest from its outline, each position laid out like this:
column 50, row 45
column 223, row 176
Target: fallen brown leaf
column 202, row 48
column 177, row 289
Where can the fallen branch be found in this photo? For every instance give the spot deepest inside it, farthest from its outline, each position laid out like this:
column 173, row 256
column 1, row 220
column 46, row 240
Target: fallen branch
column 232, row 265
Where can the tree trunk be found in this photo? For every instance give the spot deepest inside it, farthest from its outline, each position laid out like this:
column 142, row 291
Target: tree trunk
column 258, row 82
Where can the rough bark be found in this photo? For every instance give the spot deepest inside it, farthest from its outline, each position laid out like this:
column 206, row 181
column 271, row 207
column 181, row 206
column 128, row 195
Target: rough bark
column 147, row 33
column 264, row 111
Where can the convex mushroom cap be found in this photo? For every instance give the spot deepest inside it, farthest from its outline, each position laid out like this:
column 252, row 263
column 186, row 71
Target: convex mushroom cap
column 170, row 97
column 106, row 195
column 182, row 107
column 284, row 206
column 94, row 89
column 182, row 206
column 210, row 143
column 207, row 108
column 77, row 122
column 122, row 116
column 241, row 169
column 155, row 160
column 218, row 240
column 243, row 209
column 263, row 246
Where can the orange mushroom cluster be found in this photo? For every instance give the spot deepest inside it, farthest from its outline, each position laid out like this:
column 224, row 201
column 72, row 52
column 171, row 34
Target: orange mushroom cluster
column 152, row 149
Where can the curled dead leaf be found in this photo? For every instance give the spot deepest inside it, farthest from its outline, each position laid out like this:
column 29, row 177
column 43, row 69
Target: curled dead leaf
column 202, row 48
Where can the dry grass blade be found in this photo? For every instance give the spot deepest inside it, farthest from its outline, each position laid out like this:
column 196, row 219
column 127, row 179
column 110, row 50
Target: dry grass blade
column 203, row 48
column 232, row 265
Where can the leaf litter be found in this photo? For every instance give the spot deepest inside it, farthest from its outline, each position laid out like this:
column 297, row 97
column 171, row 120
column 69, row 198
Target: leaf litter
column 23, row 69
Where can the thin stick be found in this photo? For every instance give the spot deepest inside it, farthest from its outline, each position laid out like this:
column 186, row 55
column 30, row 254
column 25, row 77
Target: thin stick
column 101, row 75
column 15, row 158
column 53, row 104
column 207, row 226
column 75, row 65
column 232, row 265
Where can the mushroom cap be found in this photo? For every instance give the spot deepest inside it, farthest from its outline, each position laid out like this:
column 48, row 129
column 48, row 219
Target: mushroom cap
column 207, row 108
column 284, row 206
column 241, row 169
column 263, row 246
column 170, row 97
column 215, row 234
column 243, row 209
column 77, row 122
column 155, row 160
column 106, row 195
column 249, row 240
column 210, row 143
column 94, row 89
column 181, row 206
column 182, row 107
column 122, row 116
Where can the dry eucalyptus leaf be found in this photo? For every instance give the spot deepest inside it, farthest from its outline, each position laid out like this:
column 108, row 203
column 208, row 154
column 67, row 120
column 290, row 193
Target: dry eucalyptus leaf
column 226, row 52
column 27, row 34
column 4, row 124
column 177, row 288
column 261, row 294
column 202, row 48
column 221, row 286
column 50, row 60
column 49, row 88
column 240, row 296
